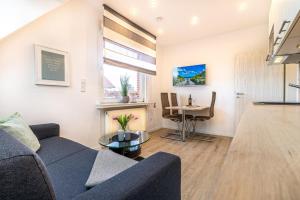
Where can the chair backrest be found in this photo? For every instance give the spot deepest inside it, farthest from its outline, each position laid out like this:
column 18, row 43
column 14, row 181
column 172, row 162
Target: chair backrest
column 174, row 102
column 165, row 103
column 23, row 174
column 212, row 105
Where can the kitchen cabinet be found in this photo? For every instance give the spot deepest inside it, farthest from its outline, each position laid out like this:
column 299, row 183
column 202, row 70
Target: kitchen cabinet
column 282, row 13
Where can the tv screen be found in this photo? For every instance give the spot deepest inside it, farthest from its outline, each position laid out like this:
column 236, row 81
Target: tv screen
column 189, row 75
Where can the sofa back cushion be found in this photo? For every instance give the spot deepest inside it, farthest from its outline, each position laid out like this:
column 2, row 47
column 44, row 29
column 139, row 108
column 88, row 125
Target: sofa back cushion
column 23, row 174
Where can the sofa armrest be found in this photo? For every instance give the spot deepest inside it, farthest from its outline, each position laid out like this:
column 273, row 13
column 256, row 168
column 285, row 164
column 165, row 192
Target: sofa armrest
column 43, row 131
column 157, row 177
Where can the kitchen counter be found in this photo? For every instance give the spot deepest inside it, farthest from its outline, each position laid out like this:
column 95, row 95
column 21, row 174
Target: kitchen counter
column 275, row 103
column 263, row 161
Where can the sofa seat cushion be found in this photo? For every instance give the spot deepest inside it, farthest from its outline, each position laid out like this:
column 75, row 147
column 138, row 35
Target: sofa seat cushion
column 70, row 174
column 57, row 148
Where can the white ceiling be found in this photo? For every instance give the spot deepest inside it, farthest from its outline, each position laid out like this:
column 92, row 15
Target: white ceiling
column 15, row 14
column 212, row 17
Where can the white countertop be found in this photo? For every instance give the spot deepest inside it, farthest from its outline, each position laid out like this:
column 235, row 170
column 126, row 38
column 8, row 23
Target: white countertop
column 263, row 161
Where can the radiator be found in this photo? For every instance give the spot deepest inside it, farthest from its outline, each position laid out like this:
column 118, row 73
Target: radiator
column 139, row 124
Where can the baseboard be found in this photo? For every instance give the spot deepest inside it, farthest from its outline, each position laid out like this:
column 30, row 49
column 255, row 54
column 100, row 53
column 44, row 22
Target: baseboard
column 154, row 129
column 204, row 132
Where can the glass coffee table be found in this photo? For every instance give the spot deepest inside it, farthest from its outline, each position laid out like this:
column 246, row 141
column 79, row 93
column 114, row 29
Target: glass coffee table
column 129, row 146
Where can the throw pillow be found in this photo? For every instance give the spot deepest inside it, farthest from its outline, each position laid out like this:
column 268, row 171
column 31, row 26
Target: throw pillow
column 19, row 129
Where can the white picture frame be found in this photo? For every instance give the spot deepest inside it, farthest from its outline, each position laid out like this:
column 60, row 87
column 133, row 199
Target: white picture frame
column 52, row 66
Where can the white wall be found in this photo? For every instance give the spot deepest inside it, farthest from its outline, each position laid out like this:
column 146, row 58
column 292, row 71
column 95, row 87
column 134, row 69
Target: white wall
column 153, row 94
column 218, row 54
column 73, row 27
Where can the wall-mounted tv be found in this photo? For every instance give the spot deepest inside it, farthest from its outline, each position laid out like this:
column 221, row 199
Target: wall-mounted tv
column 193, row 75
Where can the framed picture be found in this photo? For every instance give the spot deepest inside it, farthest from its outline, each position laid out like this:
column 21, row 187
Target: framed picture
column 52, row 67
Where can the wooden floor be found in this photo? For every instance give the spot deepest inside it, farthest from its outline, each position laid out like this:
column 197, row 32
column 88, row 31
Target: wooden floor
column 201, row 162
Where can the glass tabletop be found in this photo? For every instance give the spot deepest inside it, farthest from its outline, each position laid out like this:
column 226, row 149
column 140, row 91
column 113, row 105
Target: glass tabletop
column 136, row 138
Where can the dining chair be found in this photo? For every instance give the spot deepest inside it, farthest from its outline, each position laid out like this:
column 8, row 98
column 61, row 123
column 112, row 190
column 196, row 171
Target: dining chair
column 188, row 117
column 174, row 116
column 206, row 114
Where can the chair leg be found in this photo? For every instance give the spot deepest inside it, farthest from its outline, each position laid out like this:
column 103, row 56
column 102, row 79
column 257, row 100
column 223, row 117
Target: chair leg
column 202, row 137
column 194, row 126
column 188, row 127
column 172, row 136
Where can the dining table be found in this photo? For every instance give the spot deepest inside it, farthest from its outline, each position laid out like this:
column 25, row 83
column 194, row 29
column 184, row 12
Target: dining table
column 193, row 109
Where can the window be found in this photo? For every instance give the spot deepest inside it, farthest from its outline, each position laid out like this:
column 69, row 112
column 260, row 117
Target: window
column 128, row 49
column 111, row 83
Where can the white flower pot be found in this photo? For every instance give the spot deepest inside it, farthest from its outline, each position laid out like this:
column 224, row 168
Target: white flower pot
column 121, row 135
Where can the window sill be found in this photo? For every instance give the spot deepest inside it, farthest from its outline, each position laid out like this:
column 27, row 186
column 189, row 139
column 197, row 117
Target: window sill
column 120, row 106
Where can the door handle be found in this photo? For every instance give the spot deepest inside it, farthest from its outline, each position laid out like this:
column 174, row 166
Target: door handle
column 240, row 93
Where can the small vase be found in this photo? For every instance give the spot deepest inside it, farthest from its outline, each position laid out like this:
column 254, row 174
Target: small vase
column 121, row 135
column 127, row 135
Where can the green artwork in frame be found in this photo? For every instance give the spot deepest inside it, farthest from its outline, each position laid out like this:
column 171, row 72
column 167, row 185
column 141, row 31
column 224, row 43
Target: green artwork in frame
column 51, row 66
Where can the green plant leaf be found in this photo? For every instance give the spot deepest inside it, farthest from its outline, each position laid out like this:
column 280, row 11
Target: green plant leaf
column 124, row 81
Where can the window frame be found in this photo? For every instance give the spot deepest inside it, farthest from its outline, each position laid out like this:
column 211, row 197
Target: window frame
column 142, row 88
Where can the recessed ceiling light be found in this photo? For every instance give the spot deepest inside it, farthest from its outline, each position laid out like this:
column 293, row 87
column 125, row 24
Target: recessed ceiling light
column 160, row 31
column 159, row 19
column 194, row 20
column 242, row 6
column 153, row 3
column 279, row 59
column 298, row 46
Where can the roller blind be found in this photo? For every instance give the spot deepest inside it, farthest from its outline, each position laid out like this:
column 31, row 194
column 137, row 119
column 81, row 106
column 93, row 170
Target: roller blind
column 126, row 44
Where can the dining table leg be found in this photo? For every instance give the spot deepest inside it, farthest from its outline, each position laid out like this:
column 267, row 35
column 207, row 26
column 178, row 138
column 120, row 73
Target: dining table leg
column 183, row 125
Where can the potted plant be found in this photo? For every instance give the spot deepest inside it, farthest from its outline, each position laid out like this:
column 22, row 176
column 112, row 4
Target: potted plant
column 124, row 80
column 123, row 121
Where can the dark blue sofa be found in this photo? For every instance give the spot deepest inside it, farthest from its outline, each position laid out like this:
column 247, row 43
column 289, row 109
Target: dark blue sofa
column 61, row 167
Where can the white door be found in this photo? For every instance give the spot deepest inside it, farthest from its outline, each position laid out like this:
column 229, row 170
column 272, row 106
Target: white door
column 241, row 81
column 255, row 81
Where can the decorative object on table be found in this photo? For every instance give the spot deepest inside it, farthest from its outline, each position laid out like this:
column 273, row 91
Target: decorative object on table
column 51, row 66
column 194, row 75
column 190, row 100
column 124, row 81
column 123, row 121
column 121, row 135
column 130, row 148
column 127, row 136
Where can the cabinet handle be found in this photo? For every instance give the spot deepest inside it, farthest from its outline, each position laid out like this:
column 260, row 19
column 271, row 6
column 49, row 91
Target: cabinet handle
column 277, row 38
column 294, row 85
column 283, row 25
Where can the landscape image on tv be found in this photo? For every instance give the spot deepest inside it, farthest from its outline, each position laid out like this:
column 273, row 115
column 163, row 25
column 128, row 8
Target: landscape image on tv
column 189, row 75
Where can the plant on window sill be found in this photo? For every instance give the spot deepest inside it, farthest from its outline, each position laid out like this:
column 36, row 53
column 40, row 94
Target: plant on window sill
column 124, row 80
